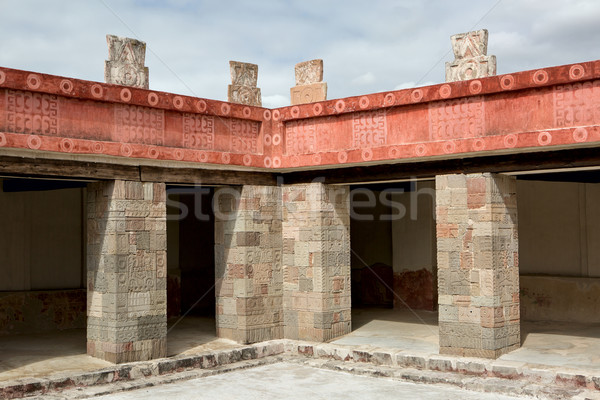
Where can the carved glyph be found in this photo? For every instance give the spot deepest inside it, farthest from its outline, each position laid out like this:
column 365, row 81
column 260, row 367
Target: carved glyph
column 244, row 78
column 125, row 64
column 471, row 59
column 309, row 87
column 308, row 72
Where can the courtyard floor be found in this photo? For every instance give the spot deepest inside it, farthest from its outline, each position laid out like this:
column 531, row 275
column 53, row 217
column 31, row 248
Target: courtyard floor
column 288, row 380
column 544, row 343
column 564, row 344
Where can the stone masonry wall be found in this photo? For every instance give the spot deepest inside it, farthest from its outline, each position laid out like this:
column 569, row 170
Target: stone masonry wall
column 248, row 263
column 316, row 261
column 126, row 271
column 478, row 274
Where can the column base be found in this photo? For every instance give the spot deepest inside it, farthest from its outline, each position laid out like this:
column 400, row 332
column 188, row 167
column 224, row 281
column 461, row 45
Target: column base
column 481, row 353
column 251, row 335
column 118, row 353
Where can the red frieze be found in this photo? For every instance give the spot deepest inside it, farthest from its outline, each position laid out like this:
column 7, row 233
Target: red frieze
column 552, row 107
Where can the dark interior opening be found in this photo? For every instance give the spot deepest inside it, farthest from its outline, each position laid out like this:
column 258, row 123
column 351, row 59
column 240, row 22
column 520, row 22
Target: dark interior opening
column 190, row 249
column 392, row 231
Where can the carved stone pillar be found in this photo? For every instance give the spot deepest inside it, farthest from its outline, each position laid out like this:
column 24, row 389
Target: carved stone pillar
column 249, row 279
column 309, row 87
column 244, row 78
column 471, row 59
column 478, row 272
column 316, row 261
column 126, row 271
column 125, row 64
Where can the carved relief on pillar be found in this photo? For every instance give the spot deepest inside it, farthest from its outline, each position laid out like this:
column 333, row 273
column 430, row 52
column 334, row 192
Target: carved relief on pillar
column 309, row 83
column 470, row 57
column 244, row 78
column 125, row 64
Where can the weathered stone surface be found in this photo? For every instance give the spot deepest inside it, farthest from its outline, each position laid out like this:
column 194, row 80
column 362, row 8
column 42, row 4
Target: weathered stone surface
column 471, row 59
column 248, row 263
column 127, row 290
column 478, row 277
column 243, row 74
column 309, row 83
column 308, row 72
column 244, row 78
column 308, row 93
column 241, row 94
column 316, row 261
column 125, row 64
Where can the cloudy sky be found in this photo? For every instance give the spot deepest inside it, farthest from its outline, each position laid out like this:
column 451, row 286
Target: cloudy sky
column 367, row 46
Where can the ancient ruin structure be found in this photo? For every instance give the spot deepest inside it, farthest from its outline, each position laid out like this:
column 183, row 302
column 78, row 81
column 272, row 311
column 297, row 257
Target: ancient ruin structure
column 125, row 64
column 310, row 87
column 470, row 57
column 149, row 204
column 244, row 78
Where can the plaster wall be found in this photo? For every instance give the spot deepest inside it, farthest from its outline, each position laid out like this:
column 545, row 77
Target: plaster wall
column 371, row 231
column 414, row 248
column 395, row 228
column 559, row 224
column 41, row 240
column 559, row 298
column 39, row 311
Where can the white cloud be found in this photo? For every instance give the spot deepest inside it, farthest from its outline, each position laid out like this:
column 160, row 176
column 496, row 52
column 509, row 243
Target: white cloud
column 405, row 85
column 364, row 79
column 410, row 85
column 275, row 100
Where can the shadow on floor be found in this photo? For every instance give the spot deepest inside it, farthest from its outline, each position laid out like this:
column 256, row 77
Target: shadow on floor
column 42, row 354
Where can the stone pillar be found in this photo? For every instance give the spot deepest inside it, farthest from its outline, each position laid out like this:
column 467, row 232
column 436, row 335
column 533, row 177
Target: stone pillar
column 316, row 261
column 244, row 78
column 125, row 64
column 470, row 57
column 248, row 263
column 309, row 83
column 478, row 272
column 126, row 271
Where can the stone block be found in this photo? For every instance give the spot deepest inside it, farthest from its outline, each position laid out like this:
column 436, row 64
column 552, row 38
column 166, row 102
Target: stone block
column 244, row 78
column 311, row 93
column 125, row 64
column 244, row 95
column 471, row 59
column 308, row 72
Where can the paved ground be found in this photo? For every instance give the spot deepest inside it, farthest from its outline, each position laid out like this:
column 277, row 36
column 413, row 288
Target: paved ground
column 385, row 328
column 294, row 381
column 551, row 344
column 38, row 355
column 562, row 344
